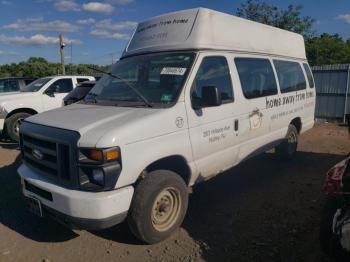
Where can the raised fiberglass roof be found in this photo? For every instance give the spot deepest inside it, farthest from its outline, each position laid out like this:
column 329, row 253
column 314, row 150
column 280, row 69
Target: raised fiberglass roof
column 202, row 28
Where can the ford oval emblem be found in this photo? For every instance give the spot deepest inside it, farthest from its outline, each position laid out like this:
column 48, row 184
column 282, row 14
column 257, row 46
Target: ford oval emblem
column 37, row 154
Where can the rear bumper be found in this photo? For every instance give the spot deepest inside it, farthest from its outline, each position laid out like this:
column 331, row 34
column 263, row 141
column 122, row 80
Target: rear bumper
column 77, row 209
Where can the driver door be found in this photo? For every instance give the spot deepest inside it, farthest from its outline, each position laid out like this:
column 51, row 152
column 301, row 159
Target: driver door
column 54, row 94
column 213, row 130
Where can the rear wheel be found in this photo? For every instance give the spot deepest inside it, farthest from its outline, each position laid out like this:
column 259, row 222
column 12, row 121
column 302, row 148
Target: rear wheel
column 13, row 123
column 288, row 147
column 159, row 206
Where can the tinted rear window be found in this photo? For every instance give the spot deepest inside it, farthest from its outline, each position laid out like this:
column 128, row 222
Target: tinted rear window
column 79, row 80
column 290, row 76
column 309, row 75
column 256, row 76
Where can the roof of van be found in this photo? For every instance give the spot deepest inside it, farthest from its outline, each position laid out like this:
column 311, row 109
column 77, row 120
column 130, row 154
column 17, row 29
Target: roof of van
column 203, row 28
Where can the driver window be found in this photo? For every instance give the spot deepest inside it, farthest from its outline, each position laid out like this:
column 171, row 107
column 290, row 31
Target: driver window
column 61, row 86
column 214, row 71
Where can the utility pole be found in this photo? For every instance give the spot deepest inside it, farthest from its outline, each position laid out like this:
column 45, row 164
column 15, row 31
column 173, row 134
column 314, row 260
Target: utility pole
column 62, row 45
column 71, row 52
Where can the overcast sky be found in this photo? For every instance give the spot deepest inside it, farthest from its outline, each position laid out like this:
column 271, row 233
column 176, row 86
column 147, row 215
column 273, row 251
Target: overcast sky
column 97, row 31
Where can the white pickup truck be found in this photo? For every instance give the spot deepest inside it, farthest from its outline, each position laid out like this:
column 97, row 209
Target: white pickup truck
column 41, row 95
column 195, row 93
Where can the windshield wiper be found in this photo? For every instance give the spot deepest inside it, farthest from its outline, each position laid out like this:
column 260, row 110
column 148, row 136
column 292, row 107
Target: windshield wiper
column 144, row 99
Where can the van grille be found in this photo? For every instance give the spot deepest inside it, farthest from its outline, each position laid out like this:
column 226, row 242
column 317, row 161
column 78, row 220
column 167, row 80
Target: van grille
column 51, row 152
column 49, row 158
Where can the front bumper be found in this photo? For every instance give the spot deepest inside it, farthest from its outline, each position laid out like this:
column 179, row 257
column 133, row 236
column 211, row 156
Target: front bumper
column 77, row 209
column 83, row 223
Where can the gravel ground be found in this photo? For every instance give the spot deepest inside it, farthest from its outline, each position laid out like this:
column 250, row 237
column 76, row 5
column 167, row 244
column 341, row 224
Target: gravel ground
column 262, row 210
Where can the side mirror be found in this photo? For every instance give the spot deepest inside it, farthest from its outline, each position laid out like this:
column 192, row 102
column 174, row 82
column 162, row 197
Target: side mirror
column 211, row 97
column 50, row 93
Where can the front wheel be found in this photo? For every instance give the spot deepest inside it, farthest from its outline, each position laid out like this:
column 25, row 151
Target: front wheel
column 288, row 147
column 158, row 207
column 12, row 125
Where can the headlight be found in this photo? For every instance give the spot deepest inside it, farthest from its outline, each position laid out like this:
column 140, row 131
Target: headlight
column 99, row 155
column 99, row 169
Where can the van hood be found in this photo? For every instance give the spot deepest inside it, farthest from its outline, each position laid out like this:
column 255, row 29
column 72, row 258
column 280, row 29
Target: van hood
column 105, row 126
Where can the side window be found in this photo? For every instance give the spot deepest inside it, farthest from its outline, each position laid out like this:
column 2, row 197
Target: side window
column 2, row 85
column 290, row 76
column 61, row 86
column 28, row 81
column 12, row 85
column 256, row 76
column 309, row 75
column 79, row 80
column 214, row 71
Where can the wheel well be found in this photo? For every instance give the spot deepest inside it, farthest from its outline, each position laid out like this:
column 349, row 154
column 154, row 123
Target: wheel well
column 22, row 110
column 176, row 163
column 297, row 123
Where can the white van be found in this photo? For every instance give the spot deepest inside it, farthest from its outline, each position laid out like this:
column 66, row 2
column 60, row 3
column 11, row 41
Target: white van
column 195, row 93
column 41, row 95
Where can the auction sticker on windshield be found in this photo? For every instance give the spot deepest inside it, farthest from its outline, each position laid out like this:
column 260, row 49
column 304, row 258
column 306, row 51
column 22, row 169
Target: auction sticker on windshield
column 180, row 71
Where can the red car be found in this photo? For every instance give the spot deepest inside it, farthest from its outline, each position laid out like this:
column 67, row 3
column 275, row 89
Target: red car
column 335, row 220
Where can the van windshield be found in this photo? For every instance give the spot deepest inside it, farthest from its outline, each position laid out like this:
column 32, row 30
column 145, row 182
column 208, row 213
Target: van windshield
column 157, row 77
column 36, row 85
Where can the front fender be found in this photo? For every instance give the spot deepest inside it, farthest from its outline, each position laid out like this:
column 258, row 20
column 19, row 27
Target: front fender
column 137, row 156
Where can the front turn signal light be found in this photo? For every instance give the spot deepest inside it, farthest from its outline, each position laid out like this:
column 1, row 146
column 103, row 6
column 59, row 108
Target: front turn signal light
column 112, row 155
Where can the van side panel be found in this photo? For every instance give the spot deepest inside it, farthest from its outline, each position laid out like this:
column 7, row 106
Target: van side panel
column 291, row 105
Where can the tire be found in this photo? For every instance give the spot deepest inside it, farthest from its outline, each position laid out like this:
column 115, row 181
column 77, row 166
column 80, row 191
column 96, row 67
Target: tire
column 288, row 147
column 12, row 125
column 330, row 244
column 158, row 207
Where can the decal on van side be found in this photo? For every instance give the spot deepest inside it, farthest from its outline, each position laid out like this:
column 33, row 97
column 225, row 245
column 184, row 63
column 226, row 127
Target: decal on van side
column 255, row 121
column 286, row 113
column 216, row 134
column 290, row 99
column 179, row 122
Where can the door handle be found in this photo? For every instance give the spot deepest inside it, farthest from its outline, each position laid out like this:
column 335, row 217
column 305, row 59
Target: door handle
column 236, row 125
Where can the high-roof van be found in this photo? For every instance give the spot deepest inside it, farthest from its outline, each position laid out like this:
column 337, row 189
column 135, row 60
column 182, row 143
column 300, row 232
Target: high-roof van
column 195, row 93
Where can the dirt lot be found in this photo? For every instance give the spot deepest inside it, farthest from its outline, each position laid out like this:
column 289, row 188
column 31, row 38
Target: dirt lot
column 262, row 210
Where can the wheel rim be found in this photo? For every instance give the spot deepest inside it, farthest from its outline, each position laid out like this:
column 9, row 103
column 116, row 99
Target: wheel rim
column 166, row 209
column 16, row 125
column 292, row 142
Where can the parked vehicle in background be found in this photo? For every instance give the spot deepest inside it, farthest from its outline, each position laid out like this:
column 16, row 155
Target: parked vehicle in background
column 79, row 92
column 13, row 84
column 40, row 95
column 335, row 218
column 186, row 101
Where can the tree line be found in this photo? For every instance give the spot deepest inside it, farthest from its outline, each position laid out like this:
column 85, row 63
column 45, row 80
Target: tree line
column 37, row 67
column 320, row 49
